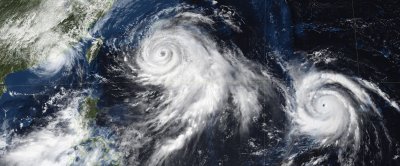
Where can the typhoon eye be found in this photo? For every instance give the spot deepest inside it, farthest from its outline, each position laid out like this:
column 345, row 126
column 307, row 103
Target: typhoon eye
column 326, row 113
column 160, row 54
column 324, row 110
column 198, row 82
column 333, row 110
column 199, row 77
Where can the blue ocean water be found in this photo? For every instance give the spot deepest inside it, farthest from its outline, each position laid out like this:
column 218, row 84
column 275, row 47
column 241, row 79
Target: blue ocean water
column 269, row 36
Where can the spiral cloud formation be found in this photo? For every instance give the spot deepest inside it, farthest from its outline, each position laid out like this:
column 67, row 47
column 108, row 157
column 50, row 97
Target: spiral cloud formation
column 191, row 93
column 199, row 79
column 331, row 108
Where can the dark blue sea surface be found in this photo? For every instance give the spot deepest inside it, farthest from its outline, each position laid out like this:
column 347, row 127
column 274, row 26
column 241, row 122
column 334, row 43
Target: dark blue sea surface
column 274, row 33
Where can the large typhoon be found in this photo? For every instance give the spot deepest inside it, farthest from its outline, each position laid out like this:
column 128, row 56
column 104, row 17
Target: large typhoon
column 175, row 85
column 199, row 77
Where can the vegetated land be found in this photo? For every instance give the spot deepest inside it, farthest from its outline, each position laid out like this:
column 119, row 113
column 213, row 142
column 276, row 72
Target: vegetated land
column 19, row 55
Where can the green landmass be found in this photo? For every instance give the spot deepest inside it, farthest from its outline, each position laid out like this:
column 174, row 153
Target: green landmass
column 78, row 20
column 14, row 59
column 112, row 159
column 89, row 112
column 90, row 108
column 12, row 9
column 94, row 50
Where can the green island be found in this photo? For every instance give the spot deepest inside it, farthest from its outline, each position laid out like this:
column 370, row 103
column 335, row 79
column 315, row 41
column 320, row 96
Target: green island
column 89, row 112
column 94, row 50
column 90, row 108
column 111, row 158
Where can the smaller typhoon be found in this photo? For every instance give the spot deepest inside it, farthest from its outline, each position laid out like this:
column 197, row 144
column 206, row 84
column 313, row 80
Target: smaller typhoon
column 194, row 95
column 337, row 112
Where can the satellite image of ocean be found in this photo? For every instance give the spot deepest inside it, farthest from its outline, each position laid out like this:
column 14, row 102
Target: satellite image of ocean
column 199, row 82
